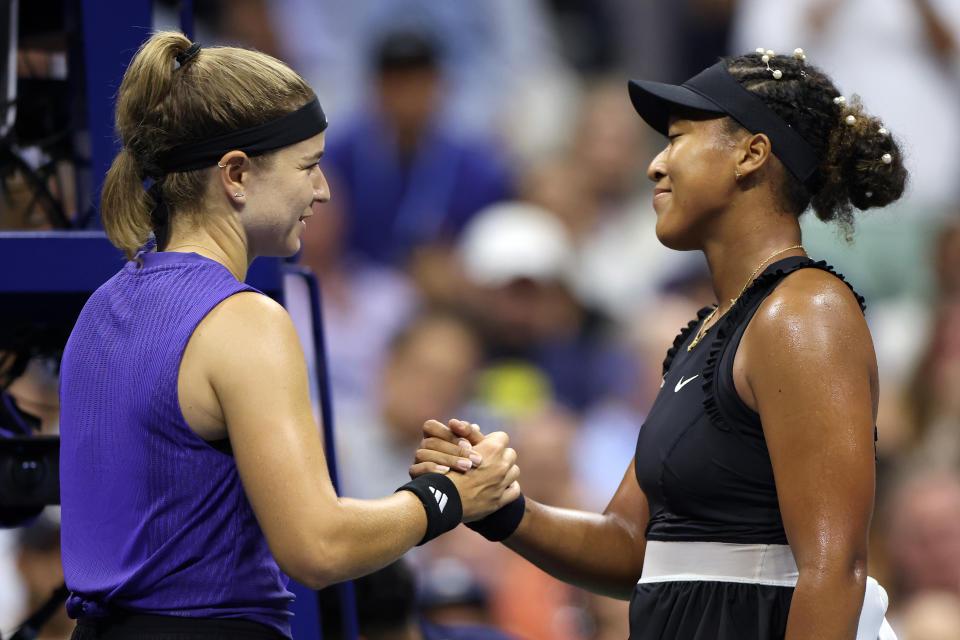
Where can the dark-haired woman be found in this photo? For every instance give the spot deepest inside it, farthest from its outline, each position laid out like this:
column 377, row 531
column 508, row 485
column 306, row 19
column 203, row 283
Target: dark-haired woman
column 192, row 472
column 745, row 512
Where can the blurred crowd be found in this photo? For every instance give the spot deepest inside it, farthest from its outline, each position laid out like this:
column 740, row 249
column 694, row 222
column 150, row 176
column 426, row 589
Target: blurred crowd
column 489, row 253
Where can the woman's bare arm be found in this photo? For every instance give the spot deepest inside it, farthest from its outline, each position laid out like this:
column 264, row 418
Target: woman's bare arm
column 806, row 364
column 602, row 553
column 598, row 552
column 256, row 368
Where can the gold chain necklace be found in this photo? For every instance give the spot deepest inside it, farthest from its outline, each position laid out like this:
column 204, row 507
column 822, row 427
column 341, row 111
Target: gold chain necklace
column 706, row 322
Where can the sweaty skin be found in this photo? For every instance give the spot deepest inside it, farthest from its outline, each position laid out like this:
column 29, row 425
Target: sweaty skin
column 806, row 364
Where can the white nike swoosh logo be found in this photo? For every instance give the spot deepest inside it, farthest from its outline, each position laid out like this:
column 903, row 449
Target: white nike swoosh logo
column 683, row 383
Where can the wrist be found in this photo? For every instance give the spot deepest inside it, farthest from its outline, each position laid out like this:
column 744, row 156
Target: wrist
column 440, row 500
column 501, row 524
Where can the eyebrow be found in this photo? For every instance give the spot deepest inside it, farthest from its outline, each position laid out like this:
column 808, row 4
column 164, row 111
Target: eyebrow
column 314, row 156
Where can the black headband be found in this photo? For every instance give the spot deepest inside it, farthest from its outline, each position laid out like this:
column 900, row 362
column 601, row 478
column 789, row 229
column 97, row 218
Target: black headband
column 188, row 54
column 714, row 90
column 305, row 122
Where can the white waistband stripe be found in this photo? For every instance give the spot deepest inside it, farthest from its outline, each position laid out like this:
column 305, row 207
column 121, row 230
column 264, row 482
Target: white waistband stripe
column 767, row 564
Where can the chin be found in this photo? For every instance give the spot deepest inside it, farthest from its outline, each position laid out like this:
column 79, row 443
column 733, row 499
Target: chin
column 287, row 250
column 674, row 239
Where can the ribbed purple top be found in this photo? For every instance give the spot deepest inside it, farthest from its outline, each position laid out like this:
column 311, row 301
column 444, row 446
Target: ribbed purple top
column 155, row 519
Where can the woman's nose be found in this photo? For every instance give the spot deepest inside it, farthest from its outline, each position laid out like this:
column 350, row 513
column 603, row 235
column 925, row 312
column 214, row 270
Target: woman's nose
column 321, row 189
column 656, row 170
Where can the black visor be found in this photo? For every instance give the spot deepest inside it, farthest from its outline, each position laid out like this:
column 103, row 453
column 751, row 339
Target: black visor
column 714, row 90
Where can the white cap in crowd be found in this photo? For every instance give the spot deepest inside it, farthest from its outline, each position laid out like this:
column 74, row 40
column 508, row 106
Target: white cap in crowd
column 515, row 240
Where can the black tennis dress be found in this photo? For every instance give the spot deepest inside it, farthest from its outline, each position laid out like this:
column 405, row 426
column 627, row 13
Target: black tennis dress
column 703, row 465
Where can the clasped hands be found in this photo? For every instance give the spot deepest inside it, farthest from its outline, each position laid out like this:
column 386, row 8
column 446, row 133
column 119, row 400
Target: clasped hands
column 487, row 470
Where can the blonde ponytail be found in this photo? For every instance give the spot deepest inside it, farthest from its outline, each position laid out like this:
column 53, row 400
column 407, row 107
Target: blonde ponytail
column 125, row 206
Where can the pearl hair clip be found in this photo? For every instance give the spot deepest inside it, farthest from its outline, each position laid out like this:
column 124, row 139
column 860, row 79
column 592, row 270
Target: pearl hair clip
column 802, row 57
column 765, row 55
column 841, row 102
column 885, row 158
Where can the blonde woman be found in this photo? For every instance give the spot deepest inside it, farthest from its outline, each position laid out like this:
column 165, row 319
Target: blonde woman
column 193, row 476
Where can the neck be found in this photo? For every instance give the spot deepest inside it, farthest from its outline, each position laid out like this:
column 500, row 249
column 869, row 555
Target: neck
column 739, row 254
column 218, row 240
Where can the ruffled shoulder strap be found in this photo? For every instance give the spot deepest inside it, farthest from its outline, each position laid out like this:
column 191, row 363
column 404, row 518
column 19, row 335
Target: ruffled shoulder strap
column 683, row 335
column 731, row 320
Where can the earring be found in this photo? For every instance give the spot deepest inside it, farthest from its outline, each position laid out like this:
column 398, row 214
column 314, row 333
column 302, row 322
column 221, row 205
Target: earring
column 737, row 174
column 221, row 165
column 238, row 195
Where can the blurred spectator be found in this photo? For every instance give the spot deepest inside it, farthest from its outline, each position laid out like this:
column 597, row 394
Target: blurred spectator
column 527, row 601
column 502, row 68
column 38, row 564
column 387, row 610
column 600, row 191
column 38, row 175
column 947, row 260
column 404, row 180
column 541, row 342
column 29, row 404
column 428, row 374
column 585, row 29
column 931, row 616
column 934, row 400
column 923, row 543
column 670, row 41
column 931, row 415
column 31, row 399
column 607, row 437
column 364, row 305
column 895, row 57
column 609, row 619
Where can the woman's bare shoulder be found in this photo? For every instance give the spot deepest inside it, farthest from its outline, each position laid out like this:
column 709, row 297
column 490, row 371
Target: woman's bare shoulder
column 245, row 326
column 810, row 299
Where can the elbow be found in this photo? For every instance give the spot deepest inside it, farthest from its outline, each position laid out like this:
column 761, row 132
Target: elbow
column 849, row 567
column 313, row 558
column 315, row 570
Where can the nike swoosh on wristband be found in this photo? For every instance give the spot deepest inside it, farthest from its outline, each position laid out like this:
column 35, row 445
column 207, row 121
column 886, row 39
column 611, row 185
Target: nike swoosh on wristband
column 683, row 383
column 440, row 496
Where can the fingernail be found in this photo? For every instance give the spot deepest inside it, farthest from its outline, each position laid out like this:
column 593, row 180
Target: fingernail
column 464, row 464
column 465, row 444
column 475, row 457
column 442, row 468
column 475, row 427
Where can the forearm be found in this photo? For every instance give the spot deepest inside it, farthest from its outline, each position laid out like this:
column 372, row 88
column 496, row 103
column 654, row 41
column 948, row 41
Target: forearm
column 356, row 537
column 826, row 604
column 599, row 552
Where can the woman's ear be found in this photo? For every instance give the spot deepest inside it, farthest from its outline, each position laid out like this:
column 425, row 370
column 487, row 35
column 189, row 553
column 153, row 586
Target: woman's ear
column 753, row 152
column 234, row 169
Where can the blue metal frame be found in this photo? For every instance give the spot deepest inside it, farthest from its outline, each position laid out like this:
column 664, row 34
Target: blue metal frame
column 186, row 18
column 60, row 262
column 49, row 268
column 113, row 31
column 348, row 602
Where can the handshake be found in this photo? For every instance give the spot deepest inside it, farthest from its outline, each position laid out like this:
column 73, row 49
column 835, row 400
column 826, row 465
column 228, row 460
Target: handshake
column 485, row 481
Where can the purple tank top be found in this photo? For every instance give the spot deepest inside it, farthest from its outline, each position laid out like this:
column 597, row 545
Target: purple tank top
column 155, row 519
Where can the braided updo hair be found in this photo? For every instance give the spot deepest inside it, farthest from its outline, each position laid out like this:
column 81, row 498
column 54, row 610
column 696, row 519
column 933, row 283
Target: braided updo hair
column 851, row 173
